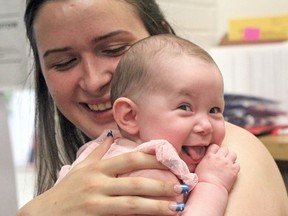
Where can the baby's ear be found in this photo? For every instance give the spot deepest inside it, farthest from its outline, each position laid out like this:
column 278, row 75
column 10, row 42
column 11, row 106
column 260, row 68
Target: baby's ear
column 125, row 112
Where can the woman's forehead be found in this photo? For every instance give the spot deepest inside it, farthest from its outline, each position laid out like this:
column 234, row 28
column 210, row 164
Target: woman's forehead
column 61, row 21
column 81, row 9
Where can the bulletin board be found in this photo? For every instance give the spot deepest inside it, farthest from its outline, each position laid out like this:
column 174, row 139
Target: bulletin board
column 13, row 45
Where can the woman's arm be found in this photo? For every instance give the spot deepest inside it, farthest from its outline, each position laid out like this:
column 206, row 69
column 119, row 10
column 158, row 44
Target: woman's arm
column 259, row 190
column 91, row 188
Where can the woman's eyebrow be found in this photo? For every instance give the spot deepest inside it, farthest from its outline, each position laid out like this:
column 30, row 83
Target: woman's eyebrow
column 109, row 35
column 95, row 40
column 56, row 50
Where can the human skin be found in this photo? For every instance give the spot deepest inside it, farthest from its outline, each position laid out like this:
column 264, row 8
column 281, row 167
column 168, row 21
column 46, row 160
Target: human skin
column 259, row 189
column 190, row 97
column 210, row 173
column 86, row 61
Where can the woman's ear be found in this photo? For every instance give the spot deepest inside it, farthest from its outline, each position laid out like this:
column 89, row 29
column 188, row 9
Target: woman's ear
column 125, row 113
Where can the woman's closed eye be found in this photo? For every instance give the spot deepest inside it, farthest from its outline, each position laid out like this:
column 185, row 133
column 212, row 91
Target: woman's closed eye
column 115, row 51
column 65, row 64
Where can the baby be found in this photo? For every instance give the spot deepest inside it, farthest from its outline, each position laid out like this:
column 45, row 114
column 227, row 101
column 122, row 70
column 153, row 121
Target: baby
column 168, row 100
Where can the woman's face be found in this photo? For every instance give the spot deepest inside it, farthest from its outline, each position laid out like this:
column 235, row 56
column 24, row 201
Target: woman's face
column 80, row 44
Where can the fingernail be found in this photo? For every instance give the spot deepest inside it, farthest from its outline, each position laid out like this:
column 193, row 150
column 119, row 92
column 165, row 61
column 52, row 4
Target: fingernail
column 181, row 189
column 177, row 207
column 109, row 134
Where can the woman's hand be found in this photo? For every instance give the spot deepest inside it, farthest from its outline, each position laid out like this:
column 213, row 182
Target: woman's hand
column 92, row 188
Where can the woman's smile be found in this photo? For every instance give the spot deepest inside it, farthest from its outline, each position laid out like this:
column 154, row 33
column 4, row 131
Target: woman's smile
column 100, row 107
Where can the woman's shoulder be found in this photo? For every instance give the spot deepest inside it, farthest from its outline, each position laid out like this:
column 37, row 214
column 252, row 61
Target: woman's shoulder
column 234, row 133
column 259, row 188
column 241, row 140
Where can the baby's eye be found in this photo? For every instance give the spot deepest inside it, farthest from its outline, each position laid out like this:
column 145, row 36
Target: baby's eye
column 215, row 110
column 116, row 51
column 185, row 107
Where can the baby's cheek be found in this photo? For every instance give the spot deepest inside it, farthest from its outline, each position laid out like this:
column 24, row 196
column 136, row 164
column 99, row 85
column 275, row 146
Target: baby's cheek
column 219, row 136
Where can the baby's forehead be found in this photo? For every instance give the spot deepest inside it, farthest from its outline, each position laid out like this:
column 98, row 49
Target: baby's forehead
column 182, row 68
column 160, row 64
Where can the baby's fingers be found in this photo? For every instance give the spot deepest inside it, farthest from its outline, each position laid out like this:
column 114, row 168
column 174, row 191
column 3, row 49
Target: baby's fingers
column 222, row 152
column 213, row 148
column 232, row 156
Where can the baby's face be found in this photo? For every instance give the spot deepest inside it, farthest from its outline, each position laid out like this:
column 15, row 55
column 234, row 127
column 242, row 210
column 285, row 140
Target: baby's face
column 186, row 108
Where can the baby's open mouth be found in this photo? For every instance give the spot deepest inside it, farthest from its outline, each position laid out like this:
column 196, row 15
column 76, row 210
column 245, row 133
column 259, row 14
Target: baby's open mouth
column 195, row 153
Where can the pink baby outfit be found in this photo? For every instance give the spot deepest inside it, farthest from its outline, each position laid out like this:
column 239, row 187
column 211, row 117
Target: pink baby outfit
column 164, row 151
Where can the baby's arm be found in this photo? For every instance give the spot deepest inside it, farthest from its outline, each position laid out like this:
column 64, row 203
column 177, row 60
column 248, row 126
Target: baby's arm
column 217, row 173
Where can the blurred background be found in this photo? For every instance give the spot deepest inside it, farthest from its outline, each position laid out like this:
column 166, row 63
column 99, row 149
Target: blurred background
column 254, row 68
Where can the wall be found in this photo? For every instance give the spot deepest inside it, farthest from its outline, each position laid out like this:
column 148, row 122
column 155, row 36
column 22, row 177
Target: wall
column 206, row 21
column 8, row 199
column 13, row 63
column 193, row 19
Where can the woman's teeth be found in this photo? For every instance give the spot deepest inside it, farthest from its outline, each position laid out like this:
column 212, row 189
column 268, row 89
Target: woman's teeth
column 100, row 107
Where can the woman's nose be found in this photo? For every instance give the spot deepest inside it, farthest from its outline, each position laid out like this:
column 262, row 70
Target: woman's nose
column 95, row 76
column 203, row 126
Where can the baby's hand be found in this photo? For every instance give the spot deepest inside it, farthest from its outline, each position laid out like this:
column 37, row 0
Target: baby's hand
column 218, row 167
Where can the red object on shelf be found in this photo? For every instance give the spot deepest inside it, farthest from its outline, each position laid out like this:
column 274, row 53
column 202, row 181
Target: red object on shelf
column 268, row 129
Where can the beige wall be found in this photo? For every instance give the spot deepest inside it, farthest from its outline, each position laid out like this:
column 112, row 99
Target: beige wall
column 193, row 19
column 206, row 21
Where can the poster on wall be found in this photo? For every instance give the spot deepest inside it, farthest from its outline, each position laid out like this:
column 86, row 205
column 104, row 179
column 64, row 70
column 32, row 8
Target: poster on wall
column 13, row 46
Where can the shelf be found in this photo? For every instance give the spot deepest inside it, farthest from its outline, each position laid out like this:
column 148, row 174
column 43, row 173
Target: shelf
column 277, row 145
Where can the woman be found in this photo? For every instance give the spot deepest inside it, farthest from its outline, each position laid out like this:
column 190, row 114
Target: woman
column 77, row 45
